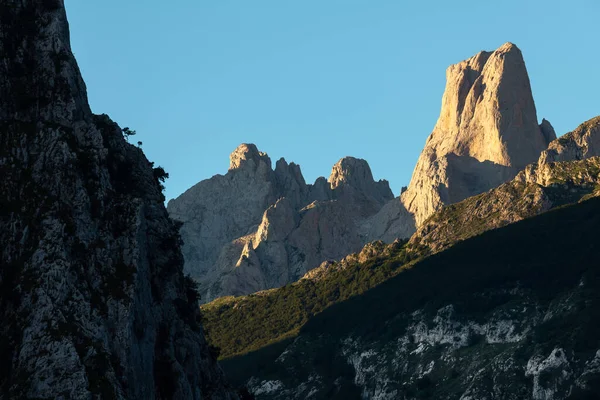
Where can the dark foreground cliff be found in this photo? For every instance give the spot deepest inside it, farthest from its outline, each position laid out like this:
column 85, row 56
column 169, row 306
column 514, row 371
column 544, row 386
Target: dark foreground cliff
column 93, row 300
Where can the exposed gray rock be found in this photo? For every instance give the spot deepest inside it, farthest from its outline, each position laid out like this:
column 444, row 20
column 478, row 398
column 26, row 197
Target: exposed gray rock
column 393, row 221
column 539, row 188
column 291, row 182
column 223, row 208
column 93, row 298
column 508, row 314
column 255, row 228
column 547, row 130
column 320, row 190
column 352, row 182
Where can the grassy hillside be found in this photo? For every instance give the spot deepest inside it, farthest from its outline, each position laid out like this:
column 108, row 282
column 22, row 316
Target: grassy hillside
column 535, row 190
column 239, row 325
column 541, row 274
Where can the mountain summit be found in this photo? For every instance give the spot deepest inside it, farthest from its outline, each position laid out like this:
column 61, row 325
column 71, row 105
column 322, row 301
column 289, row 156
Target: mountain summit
column 487, row 131
column 256, row 228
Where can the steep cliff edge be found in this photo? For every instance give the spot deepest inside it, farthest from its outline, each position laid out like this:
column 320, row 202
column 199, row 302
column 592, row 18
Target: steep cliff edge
column 94, row 301
column 486, row 133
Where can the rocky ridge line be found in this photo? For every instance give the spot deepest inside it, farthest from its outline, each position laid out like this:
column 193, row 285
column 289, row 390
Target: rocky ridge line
column 256, row 228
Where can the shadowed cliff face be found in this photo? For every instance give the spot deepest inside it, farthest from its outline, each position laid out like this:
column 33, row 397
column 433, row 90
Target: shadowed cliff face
column 487, row 131
column 93, row 299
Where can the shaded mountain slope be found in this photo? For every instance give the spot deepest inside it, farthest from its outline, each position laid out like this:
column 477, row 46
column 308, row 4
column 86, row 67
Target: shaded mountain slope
column 510, row 314
column 237, row 325
column 234, row 323
column 93, row 300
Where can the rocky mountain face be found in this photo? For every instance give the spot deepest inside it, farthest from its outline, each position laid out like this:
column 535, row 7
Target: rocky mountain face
column 509, row 314
column 486, row 133
column 257, row 228
column 325, row 292
column 538, row 188
column 93, row 298
column 579, row 144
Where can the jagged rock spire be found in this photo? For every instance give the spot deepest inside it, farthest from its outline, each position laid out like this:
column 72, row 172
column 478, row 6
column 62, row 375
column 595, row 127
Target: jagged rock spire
column 487, row 131
column 247, row 155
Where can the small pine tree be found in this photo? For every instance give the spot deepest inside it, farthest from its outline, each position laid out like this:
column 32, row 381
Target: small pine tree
column 128, row 132
column 160, row 175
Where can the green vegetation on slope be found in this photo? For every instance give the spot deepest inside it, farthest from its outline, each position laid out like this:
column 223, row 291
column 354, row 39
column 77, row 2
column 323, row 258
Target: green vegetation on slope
column 535, row 190
column 239, row 325
column 542, row 273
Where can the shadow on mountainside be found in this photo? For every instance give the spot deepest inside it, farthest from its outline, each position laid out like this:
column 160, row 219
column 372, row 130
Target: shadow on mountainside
column 544, row 257
column 468, row 177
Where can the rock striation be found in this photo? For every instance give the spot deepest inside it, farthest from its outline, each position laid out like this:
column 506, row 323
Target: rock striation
column 486, row 133
column 256, row 228
column 93, row 298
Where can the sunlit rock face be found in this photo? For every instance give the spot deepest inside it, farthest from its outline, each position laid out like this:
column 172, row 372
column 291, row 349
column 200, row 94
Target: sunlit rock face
column 582, row 143
column 486, row 133
column 256, row 228
column 93, row 297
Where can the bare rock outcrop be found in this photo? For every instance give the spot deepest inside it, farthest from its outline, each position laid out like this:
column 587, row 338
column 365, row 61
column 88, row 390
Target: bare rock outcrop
column 225, row 207
column 393, row 221
column 351, row 181
column 579, row 144
column 486, row 133
column 567, row 172
column 92, row 293
column 256, row 228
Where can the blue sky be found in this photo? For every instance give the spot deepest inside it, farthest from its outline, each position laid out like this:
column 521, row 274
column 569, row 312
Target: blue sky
column 316, row 80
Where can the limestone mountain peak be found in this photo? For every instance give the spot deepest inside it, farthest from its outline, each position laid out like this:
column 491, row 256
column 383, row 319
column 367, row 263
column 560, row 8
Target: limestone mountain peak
column 247, row 154
column 351, row 171
column 581, row 143
column 487, row 131
column 488, row 110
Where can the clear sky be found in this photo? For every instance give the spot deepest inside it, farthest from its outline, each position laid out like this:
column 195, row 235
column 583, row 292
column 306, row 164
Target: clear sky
column 316, row 80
